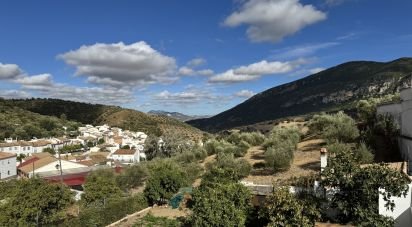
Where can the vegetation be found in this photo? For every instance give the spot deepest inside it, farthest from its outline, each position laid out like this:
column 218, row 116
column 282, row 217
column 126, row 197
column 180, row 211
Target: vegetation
column 132, row 177
column 151, row 221
column 166, row 178
column 357, row 201
column 337, row 127
column 111, row 211
column 280, row 148
column 226, row 169
column 284, row 209
column 100, row 186
column 336, row 88
column 33, row 202
column 22, row 124
column 220, row 205
column 101, row 114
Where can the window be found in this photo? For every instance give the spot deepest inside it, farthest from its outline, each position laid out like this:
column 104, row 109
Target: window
column 15, row 148
column 8, row 172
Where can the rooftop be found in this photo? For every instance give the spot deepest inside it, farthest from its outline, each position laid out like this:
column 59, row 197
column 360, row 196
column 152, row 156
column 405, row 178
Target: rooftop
column 125, row 152
column 4, row 155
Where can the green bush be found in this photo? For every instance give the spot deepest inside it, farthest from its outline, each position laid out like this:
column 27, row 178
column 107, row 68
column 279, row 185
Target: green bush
column 279, row 157
column 335, row 127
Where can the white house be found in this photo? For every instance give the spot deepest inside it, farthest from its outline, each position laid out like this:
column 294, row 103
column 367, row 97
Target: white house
column 402, row 114
column 7, row 166
column 126, row 156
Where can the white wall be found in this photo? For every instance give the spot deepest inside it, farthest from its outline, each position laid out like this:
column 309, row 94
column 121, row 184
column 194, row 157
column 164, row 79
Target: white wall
column 8, row 168
column 402, row 212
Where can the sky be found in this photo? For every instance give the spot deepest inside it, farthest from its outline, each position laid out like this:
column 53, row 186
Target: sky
column 198, row 57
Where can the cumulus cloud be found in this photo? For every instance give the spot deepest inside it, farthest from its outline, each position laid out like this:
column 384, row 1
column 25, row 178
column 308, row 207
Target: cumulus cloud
column 264, row 67
column 186, row 71
column 42, row 85
column 245, row 94
column 119, row 63
column 231, row 77
column 256, row 70
column 36, row 80
column 272, row 20
column 205, row 72
column 9, row 71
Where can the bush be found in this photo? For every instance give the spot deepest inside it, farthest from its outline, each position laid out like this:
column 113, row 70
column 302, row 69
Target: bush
column 279, row 158
column 363, row 154
column 166, row 178
column 132, row 177
column 226, row 169
column 335, row 127
column 220, row 205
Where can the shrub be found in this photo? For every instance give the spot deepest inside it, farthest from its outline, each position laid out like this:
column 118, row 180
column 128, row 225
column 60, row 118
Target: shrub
column 279, row 158
column 363, row 153
column 335, row 127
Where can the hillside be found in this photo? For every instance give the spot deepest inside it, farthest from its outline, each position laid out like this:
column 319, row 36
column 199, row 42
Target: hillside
column 175, row 115
column 23, row 124
column 102, row 114
column 334, row 88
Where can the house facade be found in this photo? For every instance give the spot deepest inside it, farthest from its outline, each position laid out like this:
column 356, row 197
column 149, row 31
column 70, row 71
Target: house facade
column 7, row 166
column 127, row 156
column 402, row 115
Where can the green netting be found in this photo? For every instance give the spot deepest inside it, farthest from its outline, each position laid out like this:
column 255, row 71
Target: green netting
column 177, row 199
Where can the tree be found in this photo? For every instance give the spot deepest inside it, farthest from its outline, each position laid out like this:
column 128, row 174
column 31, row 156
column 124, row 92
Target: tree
column 226, row 169
column 335, row 127
column 166, row 177
column 49, row 150
column 358, row 188
column 100, row 185
column 283, row 209
column 132, row 177
column 35, row 202
column 220, row 205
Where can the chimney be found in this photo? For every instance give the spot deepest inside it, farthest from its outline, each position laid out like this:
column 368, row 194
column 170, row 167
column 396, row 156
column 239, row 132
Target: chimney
column 323, row 158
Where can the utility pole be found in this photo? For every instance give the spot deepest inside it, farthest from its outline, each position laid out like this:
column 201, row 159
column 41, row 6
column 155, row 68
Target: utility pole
column 61, row 168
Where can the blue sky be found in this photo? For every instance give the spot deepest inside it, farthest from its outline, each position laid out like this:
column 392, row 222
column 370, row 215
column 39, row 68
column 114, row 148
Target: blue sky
column 195, row 57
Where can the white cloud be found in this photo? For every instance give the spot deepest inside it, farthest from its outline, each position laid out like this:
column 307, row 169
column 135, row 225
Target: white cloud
column 36, row 80
column 196, row 62
column 9, row 71
column 316, row 70
column 303, row 50
column 264, row 67
column 231, row 77
column 119, row 63
column 186, row 71
column 245, row 94
column 14, row 94
column 256, row 70
column 272, row 20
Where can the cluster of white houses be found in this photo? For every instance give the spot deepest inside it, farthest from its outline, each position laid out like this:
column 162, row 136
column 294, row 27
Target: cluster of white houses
column 107, row 150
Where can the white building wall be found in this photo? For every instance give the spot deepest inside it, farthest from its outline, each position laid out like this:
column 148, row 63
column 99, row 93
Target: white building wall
column 402, row 213
column 8, row 168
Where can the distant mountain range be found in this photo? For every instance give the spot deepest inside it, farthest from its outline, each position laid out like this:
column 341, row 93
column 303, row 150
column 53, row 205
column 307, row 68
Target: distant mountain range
column 176, row 115
column 332, row 89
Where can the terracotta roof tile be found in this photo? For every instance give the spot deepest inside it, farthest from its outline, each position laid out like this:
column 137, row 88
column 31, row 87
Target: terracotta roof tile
column 125, row 152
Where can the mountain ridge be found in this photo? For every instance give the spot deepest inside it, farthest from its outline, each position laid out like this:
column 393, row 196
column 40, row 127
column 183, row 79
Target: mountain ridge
column 331, row 88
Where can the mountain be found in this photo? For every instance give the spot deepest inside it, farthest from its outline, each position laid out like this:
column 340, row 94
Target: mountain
column 18, row 123
column 335, row 88
column 97, row 114
column 175, row 115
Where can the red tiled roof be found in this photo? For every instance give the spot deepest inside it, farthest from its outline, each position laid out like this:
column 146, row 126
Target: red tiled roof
column 125, row 152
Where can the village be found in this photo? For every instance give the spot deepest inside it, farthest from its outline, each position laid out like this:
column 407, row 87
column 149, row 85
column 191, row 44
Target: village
column 70, row 160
